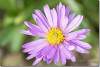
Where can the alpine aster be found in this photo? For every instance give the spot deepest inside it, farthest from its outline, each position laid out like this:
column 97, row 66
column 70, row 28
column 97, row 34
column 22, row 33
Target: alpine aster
column 56, row 37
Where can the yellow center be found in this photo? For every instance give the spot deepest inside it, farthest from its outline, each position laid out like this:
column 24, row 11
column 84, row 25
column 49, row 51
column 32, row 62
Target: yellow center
column 55, row 36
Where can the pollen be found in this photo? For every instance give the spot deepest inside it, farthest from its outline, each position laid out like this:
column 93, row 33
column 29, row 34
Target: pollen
column 55, row 36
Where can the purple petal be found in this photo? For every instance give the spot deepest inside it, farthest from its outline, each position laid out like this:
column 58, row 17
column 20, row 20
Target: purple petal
column 80, row 34
column 81, row 50
column 62, row 54
column 33, row 43
column 42, row 17
column 36, row 48
column 54, row 17
column 59, row 13
column 48, row 15
column 51, row 53
column 74, row 23
column 33, row 53
column 83, row 31
column 67, row 52
column 48, row 61
column 36, row 51
column 26, row 32
column 64, row 19
column 59, row 6
column 31, row 56
column 71, row 17
column 70, row 36
column 33, row 29
column 37, row 61
column 45, row 51
column 69, row 46
column 62, row 15
column 32, row 26
column 38, row 44
column 67, row 11
column 40, row 23
column 73, row 58
column 44, row 58
column 83, row 44
column 56, row 57
column 80, row 47
column 37, row 33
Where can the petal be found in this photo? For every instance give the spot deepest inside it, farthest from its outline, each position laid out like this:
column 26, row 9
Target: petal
column 62, row 54
column 48, row 61
column 71, row 17
column 83, row 44
column 69, row 46
column 34, row 45
column 73, row 58
column 67, row 11
column 64, row 22
column 59, row 13
column 42, row 17
column 48, row 15
column 32, row 26
column 33, row 53
column 59, row 6
column 81, row 50
column 62, row 15
column 83, row 31
column 44, row 58
column 64, row 19
column 37, row 33
column 51, row 53
column 31, row 56
column 45, row 51
column 80, row 34
column 37, row 50
column 54, row 17
column 34, row 29
column 26, row 32
column 40, row 23
column 36, row 54
column 56, row 57
column 74, row 23
column 37, row 61
column 67, row 53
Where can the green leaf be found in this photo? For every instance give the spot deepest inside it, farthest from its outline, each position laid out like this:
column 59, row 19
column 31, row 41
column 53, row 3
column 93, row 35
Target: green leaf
column 6, row 35
column 17, row 39
column 9, row 5
column 76, row 7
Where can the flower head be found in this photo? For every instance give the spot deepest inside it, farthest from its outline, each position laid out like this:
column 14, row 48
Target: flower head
column 57, row 41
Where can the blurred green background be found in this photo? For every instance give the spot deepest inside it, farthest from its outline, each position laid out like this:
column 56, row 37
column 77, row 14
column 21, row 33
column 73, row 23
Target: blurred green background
column 14, row 12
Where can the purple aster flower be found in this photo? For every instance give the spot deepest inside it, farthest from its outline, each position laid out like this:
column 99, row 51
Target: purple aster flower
column 57, row 41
